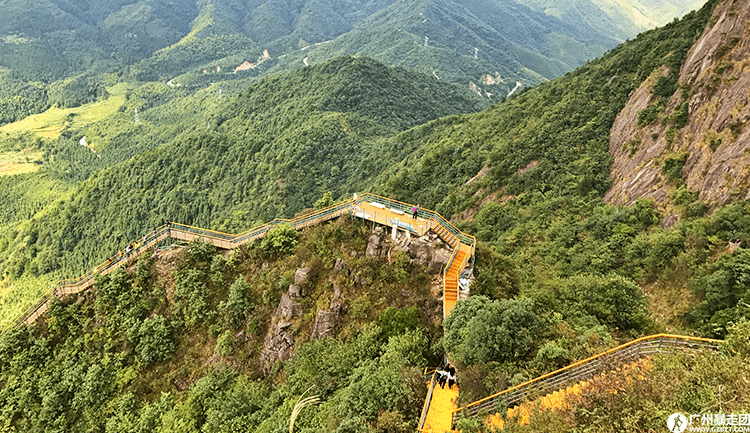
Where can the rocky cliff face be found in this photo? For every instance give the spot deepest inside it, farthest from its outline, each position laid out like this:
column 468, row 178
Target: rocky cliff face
column 699, row 137
column 298, row 302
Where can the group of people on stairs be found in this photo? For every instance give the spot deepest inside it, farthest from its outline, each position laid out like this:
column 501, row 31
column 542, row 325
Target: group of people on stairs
column 447, row 374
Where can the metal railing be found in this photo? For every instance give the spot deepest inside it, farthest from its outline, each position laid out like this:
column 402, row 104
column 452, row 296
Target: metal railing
column 76, row 285
column 427, row 401
column 300, row 222
column 583, row 370
column 423, row 213
column 452, row 231
column 230, row 241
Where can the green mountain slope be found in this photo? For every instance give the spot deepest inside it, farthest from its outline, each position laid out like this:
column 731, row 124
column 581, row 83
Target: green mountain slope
column 48, row 41
column 271, row 150
column 526, row 176
column 137, row 359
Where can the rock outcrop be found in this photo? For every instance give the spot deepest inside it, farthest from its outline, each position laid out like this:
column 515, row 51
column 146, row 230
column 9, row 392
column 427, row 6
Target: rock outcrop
column 327, row 320
column 715, row 142
column 377, row 245
column 279, row 341
column 428, row 250
column 278, row 344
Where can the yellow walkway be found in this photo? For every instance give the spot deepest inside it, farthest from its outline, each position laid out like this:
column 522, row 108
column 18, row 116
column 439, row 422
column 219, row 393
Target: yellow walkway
column 614, row 381
column 439, row 416
column 451, row 293
column 393, row 217
column 388, row 216
column 380, row 210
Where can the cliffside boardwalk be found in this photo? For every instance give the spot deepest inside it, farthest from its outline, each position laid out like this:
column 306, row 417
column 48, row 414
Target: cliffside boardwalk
column 370, row 207
column 552, row 389
column 440, row 411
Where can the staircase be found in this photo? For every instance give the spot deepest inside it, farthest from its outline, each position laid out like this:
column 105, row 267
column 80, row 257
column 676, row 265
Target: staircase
column 561, row 399
column 555, row 386
column 451, row 279
column 440, row 412
column 368, row 206
column 438, row 408
column 440, row 404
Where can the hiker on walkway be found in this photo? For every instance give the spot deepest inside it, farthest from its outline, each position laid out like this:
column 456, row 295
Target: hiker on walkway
column 414, row 211
column 451, row 377
column 442, row 376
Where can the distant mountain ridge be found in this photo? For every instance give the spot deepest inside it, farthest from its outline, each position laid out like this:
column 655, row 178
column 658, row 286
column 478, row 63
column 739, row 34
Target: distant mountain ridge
column 620, row 19
column 525, row 40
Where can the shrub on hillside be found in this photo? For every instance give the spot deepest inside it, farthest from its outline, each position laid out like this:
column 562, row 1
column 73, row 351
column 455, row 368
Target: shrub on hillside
column 280, row 240
column 479, row 330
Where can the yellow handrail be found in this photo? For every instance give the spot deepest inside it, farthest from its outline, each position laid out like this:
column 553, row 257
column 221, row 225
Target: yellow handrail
column 224, row 237
column 571, row 366
column 363, row 195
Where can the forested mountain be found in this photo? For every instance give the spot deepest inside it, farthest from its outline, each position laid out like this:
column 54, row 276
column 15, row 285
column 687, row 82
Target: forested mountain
column 74, row 45
column 270, row 150
column 176, row 342
column 228, row 162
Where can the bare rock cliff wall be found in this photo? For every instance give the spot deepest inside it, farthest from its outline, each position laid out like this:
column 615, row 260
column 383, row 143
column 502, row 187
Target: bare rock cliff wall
column 713, row 145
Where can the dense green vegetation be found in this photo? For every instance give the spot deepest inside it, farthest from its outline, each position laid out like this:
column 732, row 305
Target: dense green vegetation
column 19, row 99
column 269, row 151
column 180, row 350
column 130, row 357
column 48, row 42
column 689, row 383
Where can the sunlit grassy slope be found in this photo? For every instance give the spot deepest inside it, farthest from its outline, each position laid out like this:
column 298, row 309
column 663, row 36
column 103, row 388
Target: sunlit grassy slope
column 52, row 122
column 20, row 162
column 18, row 296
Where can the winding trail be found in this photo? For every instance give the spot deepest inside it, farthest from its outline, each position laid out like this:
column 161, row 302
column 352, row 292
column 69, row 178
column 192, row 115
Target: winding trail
column 518, row 86
column 440, row 411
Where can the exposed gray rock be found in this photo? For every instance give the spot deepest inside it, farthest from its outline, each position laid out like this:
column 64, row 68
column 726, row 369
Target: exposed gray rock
column 336, row 291
column 439, row 259
column 428, row 250
column 338, row 267
column 287, row 308
column 278, row 344
column 670, row 220
column 325, row 323
column 376, row 245
column 296, row 291
column 419, row 250
column 302, row 275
